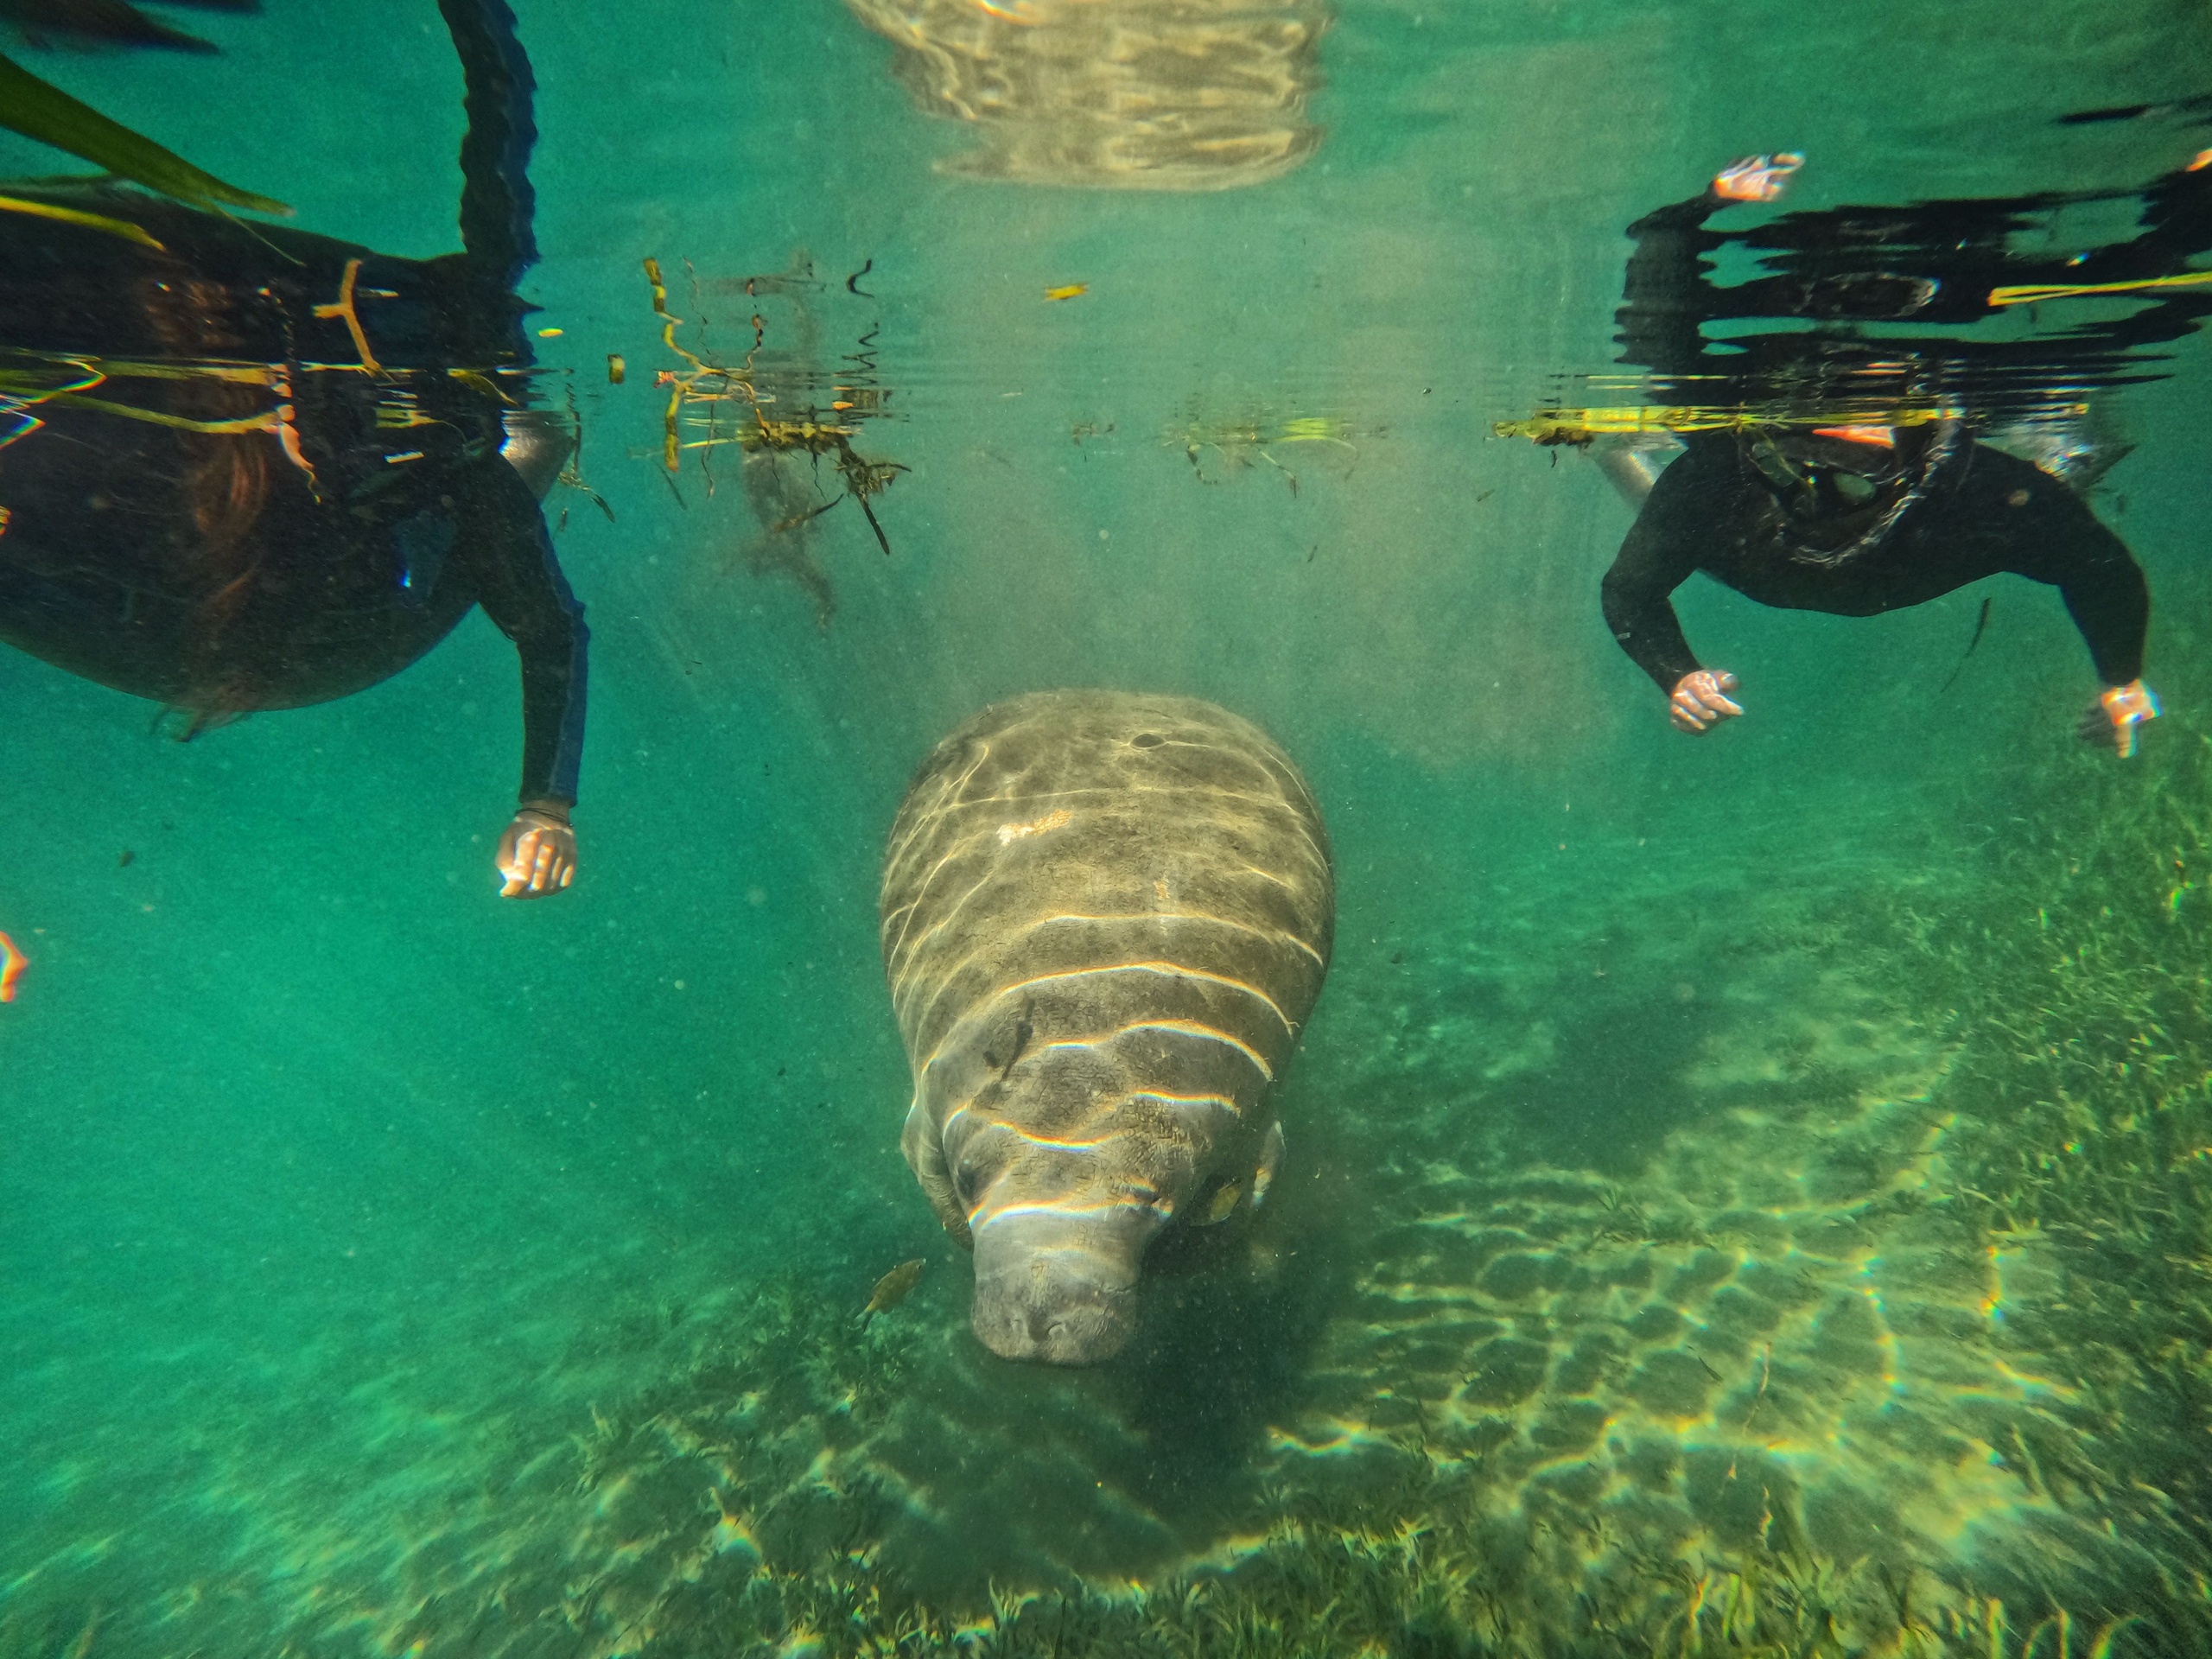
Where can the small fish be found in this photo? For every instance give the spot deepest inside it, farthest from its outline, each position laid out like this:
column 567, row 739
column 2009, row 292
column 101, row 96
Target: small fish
column 616, row 368
column 550, row 333
column 13, row 962
column 1070, row 292
column 126, row 859
column 1223, row 1203
column 894, row 1287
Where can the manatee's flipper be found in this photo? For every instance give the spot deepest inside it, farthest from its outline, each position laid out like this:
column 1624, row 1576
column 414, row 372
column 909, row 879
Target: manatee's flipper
column 924, row 1154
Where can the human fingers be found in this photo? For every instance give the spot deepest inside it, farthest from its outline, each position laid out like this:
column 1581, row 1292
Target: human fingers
column 1687, row 713
column 539, row 848
column 1708, row 687
column 1757, row 178
column 544, row 862
column 517, row 858
column 12, row 963
column 558, row 866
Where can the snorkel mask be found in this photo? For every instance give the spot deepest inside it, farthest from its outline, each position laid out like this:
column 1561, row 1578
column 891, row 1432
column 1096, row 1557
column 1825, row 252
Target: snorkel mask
column 1841, row 490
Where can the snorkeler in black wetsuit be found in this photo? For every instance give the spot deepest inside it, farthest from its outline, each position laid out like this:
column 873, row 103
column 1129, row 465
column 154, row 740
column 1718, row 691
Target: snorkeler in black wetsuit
column 245, row 469
column 1858, row 518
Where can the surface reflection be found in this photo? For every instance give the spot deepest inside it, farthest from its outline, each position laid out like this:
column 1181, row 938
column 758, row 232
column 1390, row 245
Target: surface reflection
column 1844, row 410
column 1114, row 94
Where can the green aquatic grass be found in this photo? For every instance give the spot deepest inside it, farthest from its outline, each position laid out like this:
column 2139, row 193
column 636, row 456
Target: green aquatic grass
column 1488, row 1442
column 2066, row 1126
column 39, row 109
column 751, row 1483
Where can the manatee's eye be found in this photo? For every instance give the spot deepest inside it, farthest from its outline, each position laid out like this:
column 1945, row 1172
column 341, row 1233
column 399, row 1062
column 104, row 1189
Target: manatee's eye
column 974, row 1172
column 1143, row 1195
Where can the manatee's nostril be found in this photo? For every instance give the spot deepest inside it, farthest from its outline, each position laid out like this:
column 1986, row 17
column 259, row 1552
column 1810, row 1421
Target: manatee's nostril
column 1041, row 1327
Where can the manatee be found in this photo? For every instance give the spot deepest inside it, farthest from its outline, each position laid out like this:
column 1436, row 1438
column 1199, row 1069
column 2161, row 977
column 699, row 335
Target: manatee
column 1105, row 917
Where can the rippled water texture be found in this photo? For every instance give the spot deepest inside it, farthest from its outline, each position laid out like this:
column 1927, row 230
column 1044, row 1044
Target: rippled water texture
column 1744, row 1195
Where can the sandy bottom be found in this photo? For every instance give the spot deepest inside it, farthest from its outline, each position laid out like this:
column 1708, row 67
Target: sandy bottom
column 1631, row 1289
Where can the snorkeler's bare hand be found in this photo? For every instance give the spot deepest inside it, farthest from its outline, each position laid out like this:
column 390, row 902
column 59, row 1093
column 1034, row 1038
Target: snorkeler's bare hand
column 538, row 855
column 1757, row 178
column 1700, row 701
column 2118, row 717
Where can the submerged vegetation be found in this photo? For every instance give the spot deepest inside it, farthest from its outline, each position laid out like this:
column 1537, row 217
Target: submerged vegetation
column 783, row 416
column 1892, row 1335
column 1886, row 1332
column 1218, row 445
column 1900, row 1343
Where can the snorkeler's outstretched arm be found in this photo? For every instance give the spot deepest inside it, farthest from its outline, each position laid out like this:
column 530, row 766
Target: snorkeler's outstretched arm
column 520, row 585
column 1657, row 557
column 1668, row 296
column 2055, row 538
column 497, row 207
column 1666, row 299
column 1637, row 596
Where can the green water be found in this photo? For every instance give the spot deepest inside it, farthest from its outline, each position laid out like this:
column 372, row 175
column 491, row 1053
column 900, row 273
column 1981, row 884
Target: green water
column 1744, row 1195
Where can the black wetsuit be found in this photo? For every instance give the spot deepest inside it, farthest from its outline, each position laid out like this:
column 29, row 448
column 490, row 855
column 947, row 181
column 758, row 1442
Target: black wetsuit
column 1986, row 512
column 364, row 507
column 1935, row 511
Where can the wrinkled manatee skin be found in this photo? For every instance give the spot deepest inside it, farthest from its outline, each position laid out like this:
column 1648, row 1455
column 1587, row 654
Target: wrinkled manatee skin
column 1105, row 918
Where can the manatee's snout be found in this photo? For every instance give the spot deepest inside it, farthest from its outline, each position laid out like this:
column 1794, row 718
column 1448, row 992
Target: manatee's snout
column 1061, row 1289
column 1061, row 1319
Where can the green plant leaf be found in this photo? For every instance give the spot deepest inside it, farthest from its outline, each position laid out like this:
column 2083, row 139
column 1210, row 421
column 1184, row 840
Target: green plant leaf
column 121, row 228
column 36, row 110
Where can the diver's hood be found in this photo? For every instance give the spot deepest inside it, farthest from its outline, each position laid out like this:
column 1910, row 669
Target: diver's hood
column 1839, row 498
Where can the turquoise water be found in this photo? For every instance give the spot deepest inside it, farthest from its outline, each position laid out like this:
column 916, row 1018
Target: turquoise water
column 387, row 1270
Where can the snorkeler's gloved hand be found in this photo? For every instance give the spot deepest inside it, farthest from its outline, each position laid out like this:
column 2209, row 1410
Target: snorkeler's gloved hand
column 1699, row 703
column 538, row 855
column 1757, row 178
column 2118, row 717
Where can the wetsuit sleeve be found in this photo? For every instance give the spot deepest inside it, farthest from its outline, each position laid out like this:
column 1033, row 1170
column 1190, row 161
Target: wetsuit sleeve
column 2056, row 539
column 1656, row 558
column 1666, row 298
column 519, row 584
